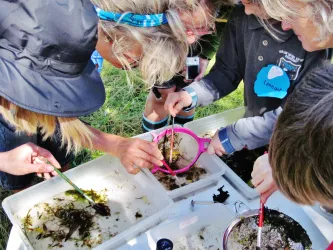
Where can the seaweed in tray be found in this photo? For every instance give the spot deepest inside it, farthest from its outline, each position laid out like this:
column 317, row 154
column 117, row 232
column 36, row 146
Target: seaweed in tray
column 222, row 196
column 194, row 174
column 241, row 162
column 100, row 199
column 59, row 221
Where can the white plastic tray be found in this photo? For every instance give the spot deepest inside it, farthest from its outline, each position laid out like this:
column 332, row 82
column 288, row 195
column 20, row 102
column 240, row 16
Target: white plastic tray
column 199, row 230
column 211, row 163
column 210, row 124
column 182, row 208
column 97, row 174
column 213, row 122
column 323, row 220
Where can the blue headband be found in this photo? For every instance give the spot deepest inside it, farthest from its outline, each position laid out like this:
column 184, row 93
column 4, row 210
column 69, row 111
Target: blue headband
column 131, row 19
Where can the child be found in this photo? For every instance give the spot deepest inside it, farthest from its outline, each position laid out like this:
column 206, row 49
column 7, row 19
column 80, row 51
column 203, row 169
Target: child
column 157, row 44
column 154, row 115
column 270, row 70
column 301, row 148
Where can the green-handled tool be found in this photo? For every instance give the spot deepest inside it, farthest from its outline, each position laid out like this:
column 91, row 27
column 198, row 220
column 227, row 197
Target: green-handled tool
column 100, row 208
column 73, row 185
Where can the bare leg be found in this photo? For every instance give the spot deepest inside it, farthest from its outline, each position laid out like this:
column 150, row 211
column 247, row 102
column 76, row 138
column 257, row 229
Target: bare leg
column 155, row 116
column 154, row 109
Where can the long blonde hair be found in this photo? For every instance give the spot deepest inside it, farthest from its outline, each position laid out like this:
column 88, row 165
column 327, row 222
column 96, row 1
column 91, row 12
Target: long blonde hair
column 74, row 133
column 164, row 48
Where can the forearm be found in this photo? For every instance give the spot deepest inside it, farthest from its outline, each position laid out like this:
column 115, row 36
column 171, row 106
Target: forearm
column 4, row 159
column 252, row 132
column 205, row 93
column 134, row 153
column 105, row 142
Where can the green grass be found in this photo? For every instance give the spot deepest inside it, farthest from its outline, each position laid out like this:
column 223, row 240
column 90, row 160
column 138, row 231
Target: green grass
column 5, row 224
column 121, row 114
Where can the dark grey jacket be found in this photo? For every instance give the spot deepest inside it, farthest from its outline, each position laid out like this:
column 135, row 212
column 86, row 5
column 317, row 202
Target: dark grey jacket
column 247, row 48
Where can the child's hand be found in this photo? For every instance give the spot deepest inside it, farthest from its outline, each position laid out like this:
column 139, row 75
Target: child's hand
column 262, row 178
column 176, row 101
column 215, row 146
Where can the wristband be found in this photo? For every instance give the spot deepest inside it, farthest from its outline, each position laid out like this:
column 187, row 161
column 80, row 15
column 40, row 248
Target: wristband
column 224, row 139
column 194, row 96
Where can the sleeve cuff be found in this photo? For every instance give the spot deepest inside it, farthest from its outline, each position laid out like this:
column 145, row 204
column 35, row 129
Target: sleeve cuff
column 194, row 96
column 224, row 139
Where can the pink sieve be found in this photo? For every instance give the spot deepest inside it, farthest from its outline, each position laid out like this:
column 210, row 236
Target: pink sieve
column 201, row 143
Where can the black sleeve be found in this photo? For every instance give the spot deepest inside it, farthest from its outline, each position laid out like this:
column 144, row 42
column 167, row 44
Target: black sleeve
column 226, row 73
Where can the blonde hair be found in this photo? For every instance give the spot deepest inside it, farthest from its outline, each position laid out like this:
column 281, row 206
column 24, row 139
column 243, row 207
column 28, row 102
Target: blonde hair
column 164, row 48
column 320, row 12
column 74, row 134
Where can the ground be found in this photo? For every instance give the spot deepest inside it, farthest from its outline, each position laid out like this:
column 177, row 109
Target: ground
column 121, row 114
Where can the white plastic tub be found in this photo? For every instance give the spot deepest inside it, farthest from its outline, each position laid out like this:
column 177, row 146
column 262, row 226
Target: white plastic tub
column 212, row 123
column 214, row 167
column 199, row 230
column 124, row 192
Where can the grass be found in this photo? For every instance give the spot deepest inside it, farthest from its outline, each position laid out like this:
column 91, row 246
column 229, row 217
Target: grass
column 5, row 224
column 121, row 114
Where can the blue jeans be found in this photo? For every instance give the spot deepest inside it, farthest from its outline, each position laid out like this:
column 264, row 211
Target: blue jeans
column 10, row 140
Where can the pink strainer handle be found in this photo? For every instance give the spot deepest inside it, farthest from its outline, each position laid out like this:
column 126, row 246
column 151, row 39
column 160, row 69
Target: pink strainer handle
column 202, row 142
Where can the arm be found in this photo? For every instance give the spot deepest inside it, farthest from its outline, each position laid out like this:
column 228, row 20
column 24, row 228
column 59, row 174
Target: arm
column 132, row 152
column 252, row 132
